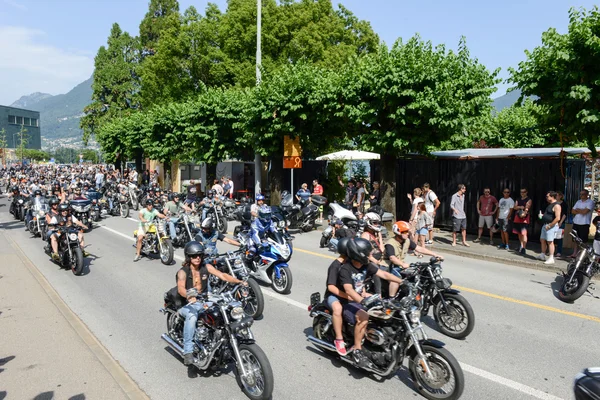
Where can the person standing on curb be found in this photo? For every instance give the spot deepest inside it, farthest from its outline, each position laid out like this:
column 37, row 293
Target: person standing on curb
column 505, row 210
column 431, row 205
column 459, row 218
column 318, row 191
column 522, row 219
column 558, row 241
column 550, row 219
column 487, row 205
column 582, row 211
column 374, row 197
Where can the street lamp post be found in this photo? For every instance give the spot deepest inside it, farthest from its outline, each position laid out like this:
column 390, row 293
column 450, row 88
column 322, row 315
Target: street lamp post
column 257, row 157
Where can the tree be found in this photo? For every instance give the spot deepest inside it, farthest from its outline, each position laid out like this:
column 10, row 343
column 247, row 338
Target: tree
column 35, row 155
column 161, row 15
column 563, row 74
column 412, row 98
column 3, row 144
column 22, row 141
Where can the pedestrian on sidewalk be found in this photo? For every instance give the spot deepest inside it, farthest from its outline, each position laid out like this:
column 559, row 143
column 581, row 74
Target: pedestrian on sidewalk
column 505, row 210
column 432, row 203
column 487, row 205
column 318, row 191
column 582, row 211
column 550, row 218
column 424, row 221
column 596, row 223
column 459, row 218
column 374, row 197
column 415, row 200
column 558, row 241
column 522, row 219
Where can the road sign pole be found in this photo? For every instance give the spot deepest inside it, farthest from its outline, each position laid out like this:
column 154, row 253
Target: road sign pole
column 292, row 181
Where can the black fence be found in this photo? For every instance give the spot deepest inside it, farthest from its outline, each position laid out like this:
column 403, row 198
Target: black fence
column 537, row 175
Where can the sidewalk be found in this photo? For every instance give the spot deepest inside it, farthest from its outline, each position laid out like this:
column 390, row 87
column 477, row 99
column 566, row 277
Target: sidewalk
column 46, row 352
column 483, row 250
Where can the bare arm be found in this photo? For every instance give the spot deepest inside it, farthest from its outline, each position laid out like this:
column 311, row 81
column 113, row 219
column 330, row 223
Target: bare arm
column 349, row 289
column 336, row 291
column 221, row 275
column 388, row 277
column 397, row 261
column 181, row 277
column 231, row 241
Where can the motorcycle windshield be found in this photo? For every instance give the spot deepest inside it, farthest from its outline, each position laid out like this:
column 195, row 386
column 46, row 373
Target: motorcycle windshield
column 287, row 200
column 277, row 237
column 342, row 213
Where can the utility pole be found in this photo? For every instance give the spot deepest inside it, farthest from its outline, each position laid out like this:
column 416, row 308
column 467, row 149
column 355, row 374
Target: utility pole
column 257, row 157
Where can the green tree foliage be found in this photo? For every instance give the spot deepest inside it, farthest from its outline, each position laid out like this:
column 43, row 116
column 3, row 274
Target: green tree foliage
column 563, row 73
column 161, row 15
column 35, row 155
column 414, row 97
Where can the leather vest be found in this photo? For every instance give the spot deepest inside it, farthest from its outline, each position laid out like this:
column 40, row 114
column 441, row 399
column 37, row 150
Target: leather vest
column 400, row 249
column 189, row 278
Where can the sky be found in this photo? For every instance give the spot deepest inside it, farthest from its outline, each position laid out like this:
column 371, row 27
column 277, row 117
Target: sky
column 49, row 45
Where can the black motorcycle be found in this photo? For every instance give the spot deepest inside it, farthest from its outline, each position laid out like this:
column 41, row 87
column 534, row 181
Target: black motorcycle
column 587, row 384
column 394, row 333
column 216, row 213
column 17, row 207
column 302, row 215
column 82, row 210
column 185, row 230
column 223, row 336
column 70, row 254
column 579, row 272
column 119, row 204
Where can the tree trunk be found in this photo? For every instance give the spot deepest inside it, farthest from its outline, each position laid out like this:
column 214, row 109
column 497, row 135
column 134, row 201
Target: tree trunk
column 118, row 163
column 211, row 174
column 139, row 162
column 388, row 183
column 167, row 172
column 276, row 179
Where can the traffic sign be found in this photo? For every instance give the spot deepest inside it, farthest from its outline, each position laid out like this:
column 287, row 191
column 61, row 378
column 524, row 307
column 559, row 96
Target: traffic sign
column 292, row 162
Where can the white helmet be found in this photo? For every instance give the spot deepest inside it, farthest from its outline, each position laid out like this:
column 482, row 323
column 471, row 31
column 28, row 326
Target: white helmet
column 373, row 221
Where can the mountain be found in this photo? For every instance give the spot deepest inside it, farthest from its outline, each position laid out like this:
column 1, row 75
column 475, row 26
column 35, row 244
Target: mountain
column 60, row 114
column 507, row 100
column 28, row 101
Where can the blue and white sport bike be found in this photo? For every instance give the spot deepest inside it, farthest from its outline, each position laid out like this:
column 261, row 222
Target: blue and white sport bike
column 269, row 264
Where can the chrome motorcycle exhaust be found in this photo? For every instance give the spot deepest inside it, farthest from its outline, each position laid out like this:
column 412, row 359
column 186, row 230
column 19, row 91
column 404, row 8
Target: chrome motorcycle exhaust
column 322, row 343
column 172, row 344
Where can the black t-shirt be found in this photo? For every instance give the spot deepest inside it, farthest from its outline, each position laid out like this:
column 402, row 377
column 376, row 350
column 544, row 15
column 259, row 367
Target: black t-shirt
column 389, row 249
column 344, row 232
column 596, row 222
column 332, row 275
column 355, row 276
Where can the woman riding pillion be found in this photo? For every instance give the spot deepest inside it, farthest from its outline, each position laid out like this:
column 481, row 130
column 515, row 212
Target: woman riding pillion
column 147, row 214
column 192, row 281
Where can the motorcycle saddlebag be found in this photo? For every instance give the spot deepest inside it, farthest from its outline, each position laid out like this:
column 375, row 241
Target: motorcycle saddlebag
column 319, row 200
column 309, row 209
column 173, row 299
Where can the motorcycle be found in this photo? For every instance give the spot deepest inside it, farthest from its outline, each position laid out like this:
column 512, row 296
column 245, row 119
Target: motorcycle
column 300, row 216
column 269, row 264
column 37, row 224
column 232, row 263
column 157, row 241
column 95, row 210
column 119, row 204
column 70, row 254
column 451, row 311
column 587, row 384
column 133, row 200
column 395, row 333
column 82, row 211
column 185, row 230
column 216, row 213
column 339, row 213
column 229, row 208
column 223, row 336
column 18, row 207
column 579, row 272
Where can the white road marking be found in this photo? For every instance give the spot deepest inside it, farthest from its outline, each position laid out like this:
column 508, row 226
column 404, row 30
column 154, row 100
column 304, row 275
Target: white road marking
column 538, row 394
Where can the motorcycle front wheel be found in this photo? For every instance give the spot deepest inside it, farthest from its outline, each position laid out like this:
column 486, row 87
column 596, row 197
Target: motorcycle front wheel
column 43, row 233
column 570, row 292
column 166, row 252
column 254, row 304
column 259, row 381
column 77, row 261
column 447, row 381
column 124, row 210
column 283, row 285
column 222, row 225
column 458, row 319
column 324, row 241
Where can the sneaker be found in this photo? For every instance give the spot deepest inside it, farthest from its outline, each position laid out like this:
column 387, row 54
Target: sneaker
column 137, row 258
column 340, row 347
column 491, row 242
column 506, row 246
column 522, row 251
column 188, row 359
column 429, row 241
column 549, row 261
column 501, row 246
column 86, row 254
column 360, row 359
column 477, row 240
column 541, row 257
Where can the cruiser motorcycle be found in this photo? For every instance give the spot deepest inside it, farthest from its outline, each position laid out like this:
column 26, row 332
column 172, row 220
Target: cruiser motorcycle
column 579, row 272
column 299, row 216
column 37, row 225
column 70, row 254
column 157, row 241
column 82, row 210
column 223, row 337
column 394, row 333
column 186, row 229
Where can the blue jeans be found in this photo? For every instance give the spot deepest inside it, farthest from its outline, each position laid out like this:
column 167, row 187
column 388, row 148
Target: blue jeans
column 190, row 313
column 204, row 212
column 171, row 223
column 333, row 243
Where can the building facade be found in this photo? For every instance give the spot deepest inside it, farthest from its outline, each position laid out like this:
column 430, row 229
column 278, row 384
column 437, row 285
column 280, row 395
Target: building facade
column 13, row 119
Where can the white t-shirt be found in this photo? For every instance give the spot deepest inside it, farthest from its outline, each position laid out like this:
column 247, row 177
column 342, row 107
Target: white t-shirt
column 360, row 195
column 505, row 206
column 430, row 198
column 583, row 219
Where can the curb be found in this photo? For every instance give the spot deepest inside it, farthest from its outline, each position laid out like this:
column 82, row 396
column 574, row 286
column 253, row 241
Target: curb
column 118, row 373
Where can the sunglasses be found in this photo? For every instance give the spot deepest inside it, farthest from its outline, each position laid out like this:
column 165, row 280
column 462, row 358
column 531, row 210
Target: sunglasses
column 196, row 256
column 506, row 191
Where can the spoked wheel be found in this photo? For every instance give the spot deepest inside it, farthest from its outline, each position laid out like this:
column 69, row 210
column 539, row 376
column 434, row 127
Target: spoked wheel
column 257, row 384
column 124, row 210
column 222, row 225
column 283, row 284
column 254, row 304
column 319, row 324
column 445, row 381
column 166, row 252
column 571, row 291
column 458, row 319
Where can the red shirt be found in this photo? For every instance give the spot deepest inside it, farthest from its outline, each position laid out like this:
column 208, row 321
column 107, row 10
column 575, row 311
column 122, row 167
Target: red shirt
column 318, row 190
column 486, row 205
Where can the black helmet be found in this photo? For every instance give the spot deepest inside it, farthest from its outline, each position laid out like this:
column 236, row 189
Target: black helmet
column 38, row 192
column 207, row 224
column 63, row 207
column 359, row 250
column 53, row 201
column 149, row 202
column 193, row 248
column 342, row 246
column 15, row 189
column 211, row 192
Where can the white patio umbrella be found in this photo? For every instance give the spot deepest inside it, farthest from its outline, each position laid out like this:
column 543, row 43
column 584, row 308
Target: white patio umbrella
column 350, row 155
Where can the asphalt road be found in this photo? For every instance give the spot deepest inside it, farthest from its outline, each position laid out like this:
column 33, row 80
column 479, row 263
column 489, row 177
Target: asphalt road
column 526, row 343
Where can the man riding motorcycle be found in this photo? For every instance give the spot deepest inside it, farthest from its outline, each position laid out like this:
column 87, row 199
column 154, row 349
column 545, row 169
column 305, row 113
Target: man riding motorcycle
column 207, row 202
column 260, row 201
column 146, row 215
column 192, row 280
column 36, row 204
column 208, row 236
column 64, row 219
column 259, row 228
column 172, row 209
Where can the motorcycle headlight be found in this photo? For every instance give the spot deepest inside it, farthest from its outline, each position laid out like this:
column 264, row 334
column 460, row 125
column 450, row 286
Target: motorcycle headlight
column 415, row 315
column 72, row 236
column 281, row 224
column 237, row 313
column 20, row 201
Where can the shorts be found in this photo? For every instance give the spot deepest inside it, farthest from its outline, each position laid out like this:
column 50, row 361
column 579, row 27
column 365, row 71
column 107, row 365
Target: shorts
column 503, row 225
column 487, row 220
column 430, row 228
column 583, row 231
column 349, row 312
column 597, row 247
column 423, row 231
column 332, row 299
column 459, row 224
column 548, row 234
column 520, row 229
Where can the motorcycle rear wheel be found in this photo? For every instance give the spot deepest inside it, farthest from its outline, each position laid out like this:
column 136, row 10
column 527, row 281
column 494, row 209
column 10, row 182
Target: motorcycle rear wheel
column 259, row 385
column 449, row 381
column 459, row 322
column 571, row 292
column 319, row 329
column 167, row 252
column 77, row 262
column 283, row 285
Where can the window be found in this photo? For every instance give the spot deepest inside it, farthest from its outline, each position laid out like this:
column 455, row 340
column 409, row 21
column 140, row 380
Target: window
column 27, row 121
column 34, row 122
column 12, row 119
column 19, row 120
